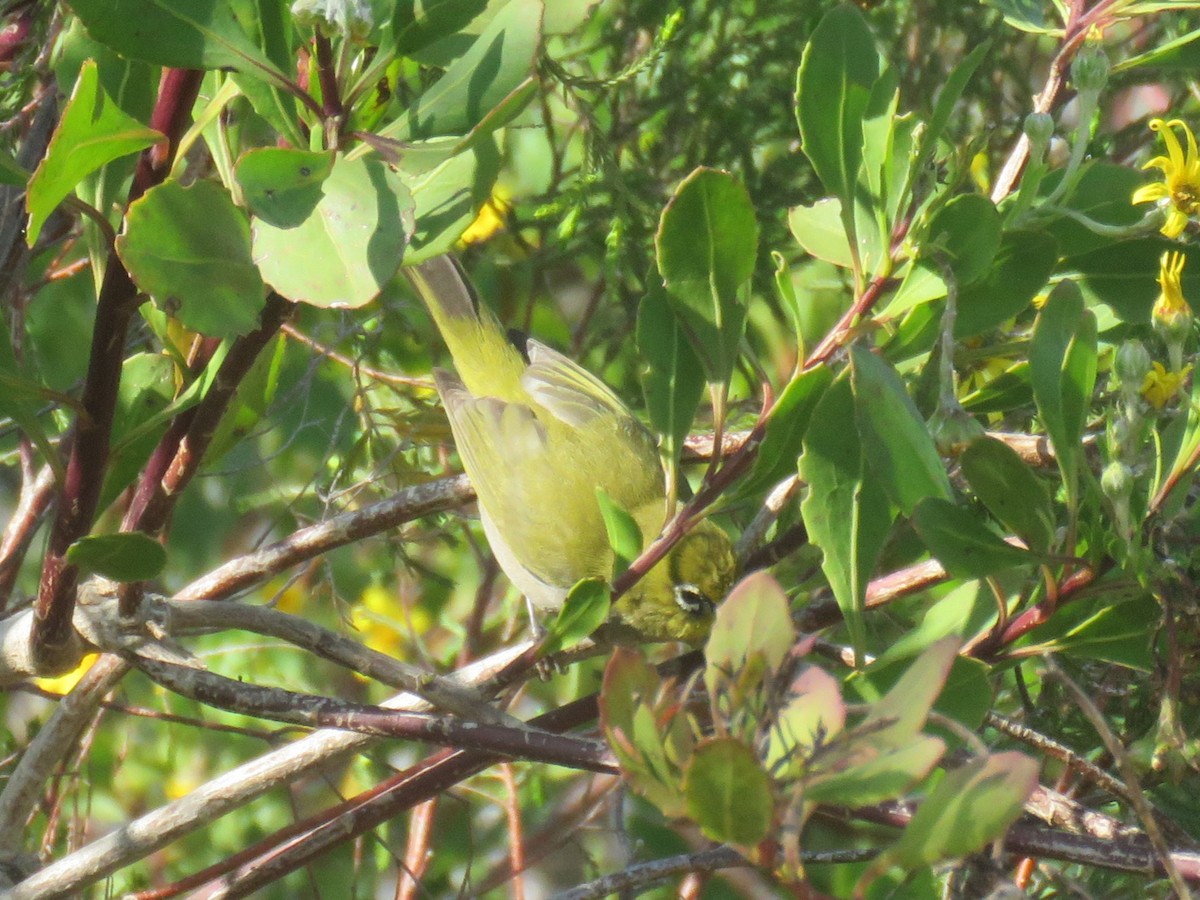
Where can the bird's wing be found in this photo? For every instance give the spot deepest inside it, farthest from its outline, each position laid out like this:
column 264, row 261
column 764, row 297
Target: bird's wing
column 571, row 393
column 521, row 471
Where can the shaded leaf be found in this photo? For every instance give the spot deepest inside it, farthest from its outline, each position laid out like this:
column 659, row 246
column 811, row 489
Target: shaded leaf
column 728, row 793
column 847, row 515
column 128, row 556
column 1023, row 265
column 833, row 86
column 92, row 132
column 181, row 34
column 784, row 436
column 1010, row 490
column 895, row 439
column 351, row 244
column 672, row 377
column 707, row 244
column 189, row 249
column 873, row 772
column 972, row 806
column 962, row 543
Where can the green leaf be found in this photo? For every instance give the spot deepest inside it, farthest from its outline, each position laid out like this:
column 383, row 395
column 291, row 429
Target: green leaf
column 833, row 86
column 847, row 514
column 1181, row 53
column 486, row 85
column 728, row 793
column 349, row 247
column 818, row 229
column 966, row 233
column 1102, row 194
column 753, row 629
column 896, row 440
column 970, row 807
column 93, row 131
column 707, row 244
column 1024, row 15
column 147, row 388
column 447, row 198
column 1010, row 490
column 585, row 609
column 20, row 396
column 1023, row 265
column 649, row 757
column 1062, row 368
column 962, row 543
column 11, row 173
column 189, row 249
column 181, row 34
column 128, row 556
column 434, row 20
column 872, row 771
column 786, row 427
column 672, row 376
column 282, row 186
column 624, row 535
column 902, row 711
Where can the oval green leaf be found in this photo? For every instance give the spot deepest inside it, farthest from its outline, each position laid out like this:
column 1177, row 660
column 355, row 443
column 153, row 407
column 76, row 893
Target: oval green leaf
column 962, row 543
column 896, row 440
column 189, row 249
column 283, row 186
column 1010, row 490
column 351, row 244
column 707, row 244
column 128, row 556
column 728, row 793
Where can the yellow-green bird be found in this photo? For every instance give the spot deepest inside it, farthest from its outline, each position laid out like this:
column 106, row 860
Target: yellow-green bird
column 537, row 436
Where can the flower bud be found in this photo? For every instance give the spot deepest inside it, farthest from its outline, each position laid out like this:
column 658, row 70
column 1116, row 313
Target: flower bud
column 1039, row 128
column 954, row 430
column 1132, row 364
column 1117, row 481
column 1089, row 69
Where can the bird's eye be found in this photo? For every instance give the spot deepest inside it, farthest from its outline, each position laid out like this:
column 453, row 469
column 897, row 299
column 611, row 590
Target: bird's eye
column 693, row 601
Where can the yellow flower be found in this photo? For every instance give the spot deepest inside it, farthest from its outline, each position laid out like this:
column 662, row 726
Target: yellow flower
column 1179, row 191
column 1171, row 311
column 63, row 684
column 1161, row 385
column 491, row 218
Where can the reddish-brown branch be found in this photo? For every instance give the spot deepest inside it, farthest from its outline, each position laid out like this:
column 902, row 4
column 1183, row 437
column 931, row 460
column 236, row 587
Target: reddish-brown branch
column 118, row 299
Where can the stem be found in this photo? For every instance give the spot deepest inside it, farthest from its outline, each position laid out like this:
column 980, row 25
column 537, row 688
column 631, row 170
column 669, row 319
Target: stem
column 53, row 637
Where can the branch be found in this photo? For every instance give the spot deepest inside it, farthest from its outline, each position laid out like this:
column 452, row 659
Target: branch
column 295, row 708
column 149, row 833
column 54, row 642
column 407, row 504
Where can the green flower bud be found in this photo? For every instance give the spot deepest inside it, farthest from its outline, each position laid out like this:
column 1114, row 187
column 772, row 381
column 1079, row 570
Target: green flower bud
column 1089, row 69
column 1132, row 364
column 954, row 430
column 1117, row 481
column 1039, row 128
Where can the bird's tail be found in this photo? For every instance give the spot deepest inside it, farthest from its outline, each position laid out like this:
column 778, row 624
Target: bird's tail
column 487, row 363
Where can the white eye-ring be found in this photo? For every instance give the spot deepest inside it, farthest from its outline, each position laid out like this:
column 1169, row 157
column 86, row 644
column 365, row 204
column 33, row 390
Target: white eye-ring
column 693, row 601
